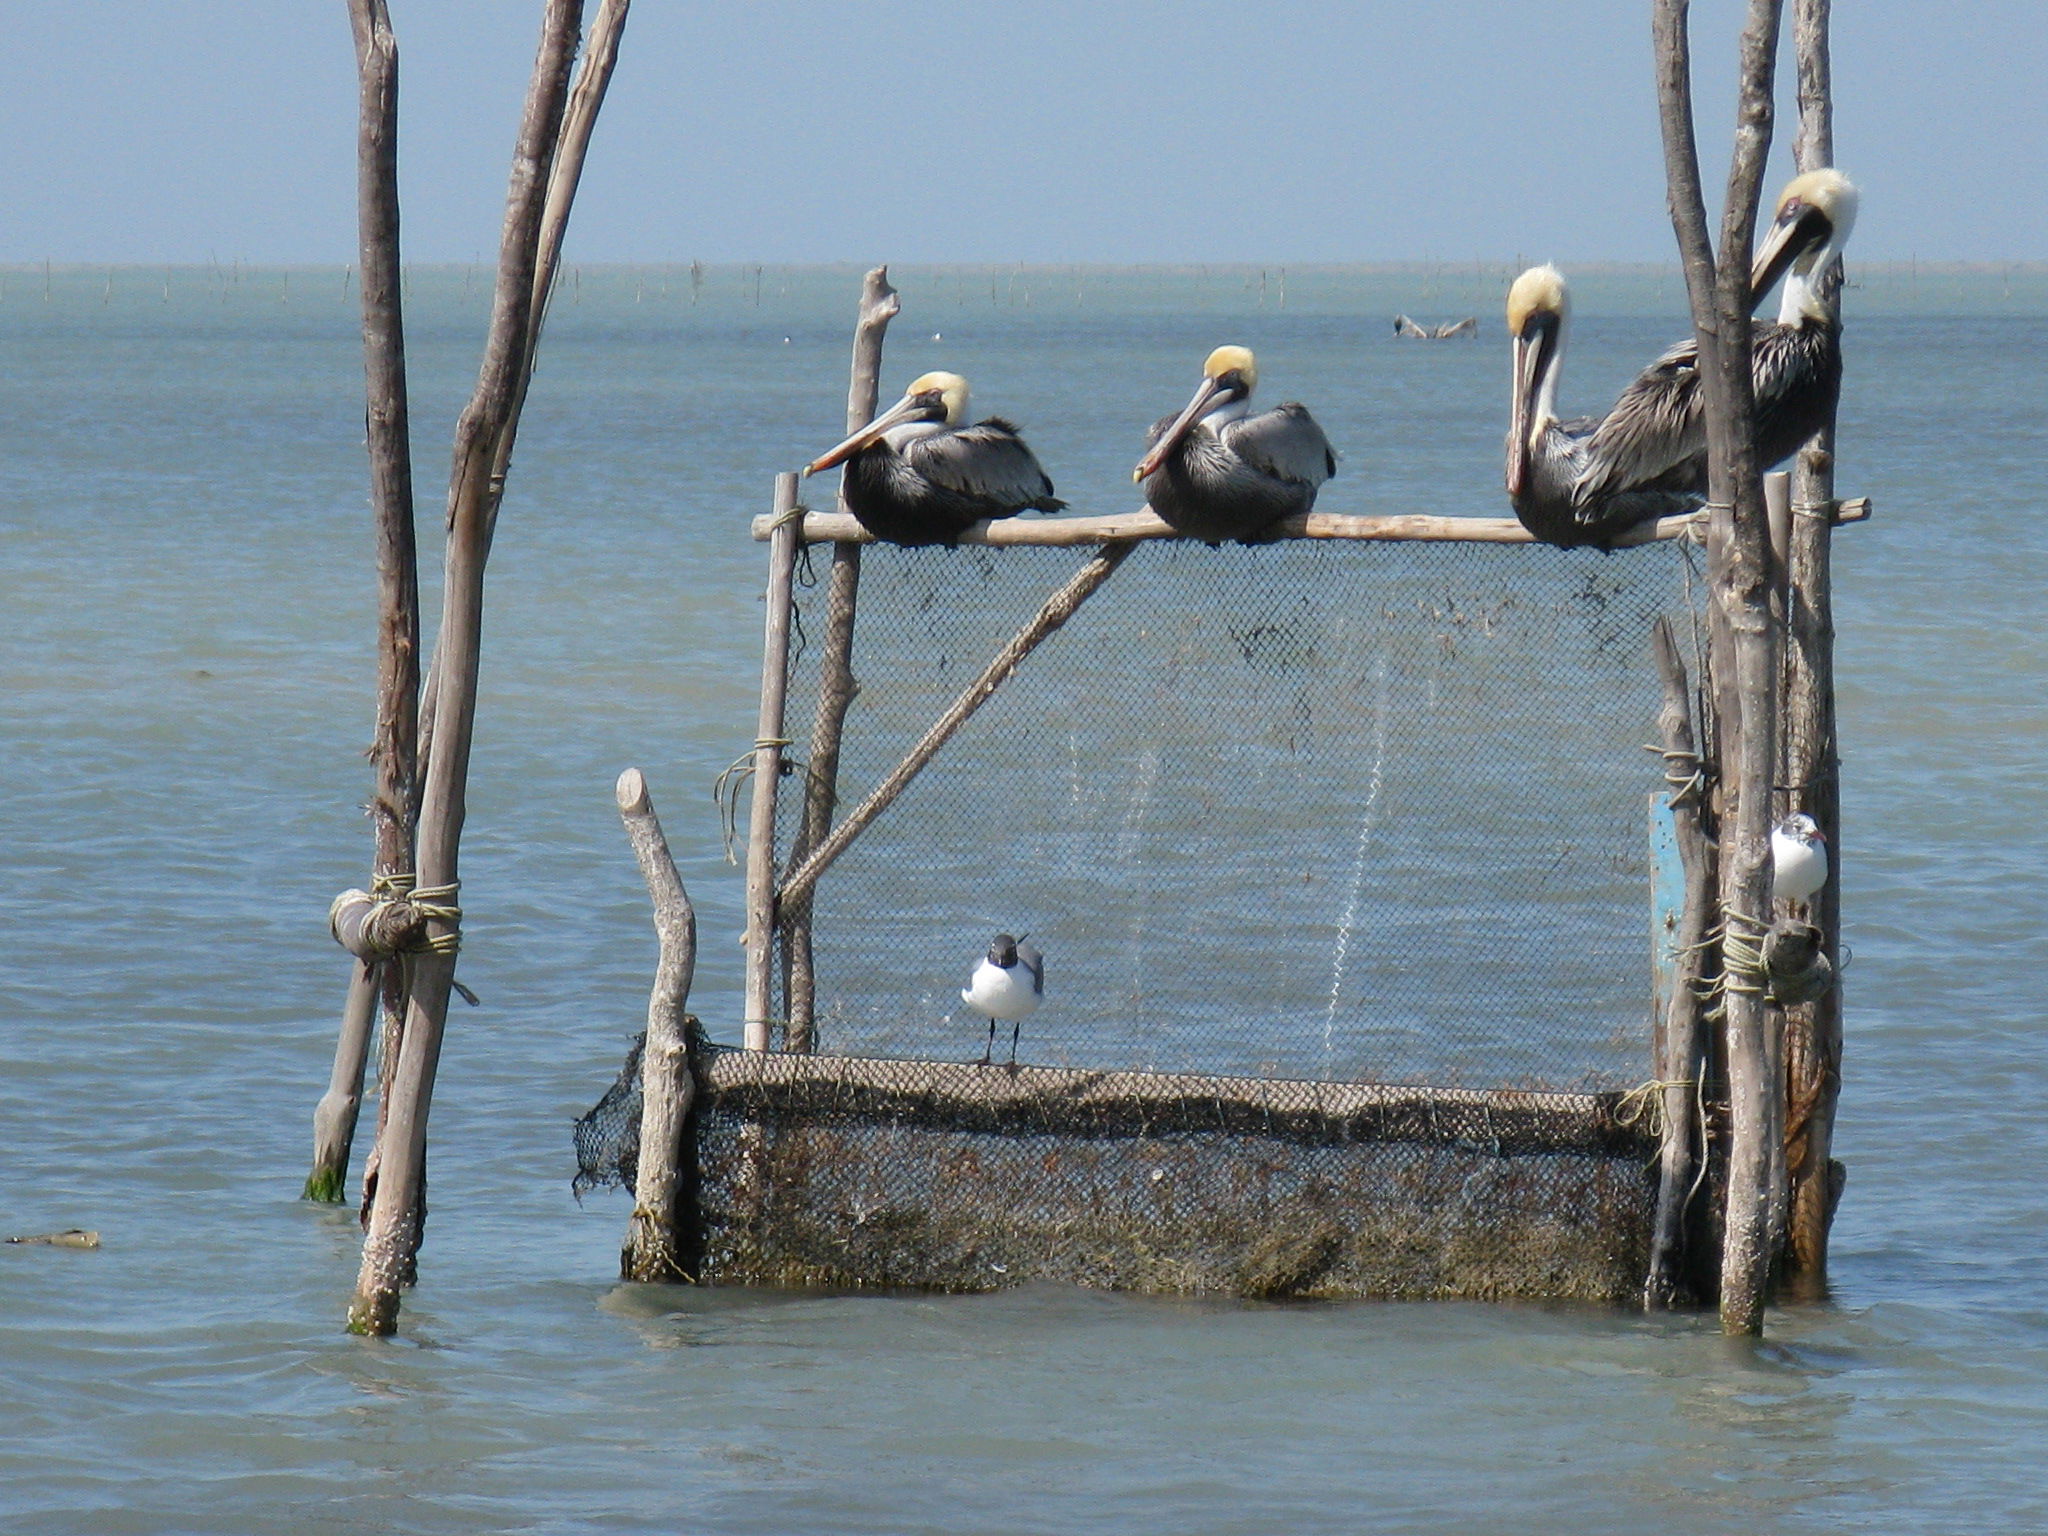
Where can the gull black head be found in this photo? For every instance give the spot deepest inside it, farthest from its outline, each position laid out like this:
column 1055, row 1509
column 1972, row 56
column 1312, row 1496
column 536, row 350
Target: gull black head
column 1802, row 828
column 1002, row 951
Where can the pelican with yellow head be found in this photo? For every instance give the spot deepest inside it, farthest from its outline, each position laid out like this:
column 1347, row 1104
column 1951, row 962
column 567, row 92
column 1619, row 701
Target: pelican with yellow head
column 1655, row 438
column 1546, row 457
column 1217, row 472
column 917, row 474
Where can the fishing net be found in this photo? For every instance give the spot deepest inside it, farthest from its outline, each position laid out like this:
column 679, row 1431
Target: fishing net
column 1284, row 820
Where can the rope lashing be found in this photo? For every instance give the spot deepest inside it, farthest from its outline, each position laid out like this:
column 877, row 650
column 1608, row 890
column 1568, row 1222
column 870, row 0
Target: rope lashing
column 437, row 904
column 1643, row 1105
column 1742, row 953
column 1823, row 511
column 725, row 791
column 1689, row 785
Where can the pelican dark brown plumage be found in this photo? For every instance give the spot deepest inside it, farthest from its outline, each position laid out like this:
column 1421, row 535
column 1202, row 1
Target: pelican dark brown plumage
column 1217, row 472
column 916, row 475
column 1655, row 438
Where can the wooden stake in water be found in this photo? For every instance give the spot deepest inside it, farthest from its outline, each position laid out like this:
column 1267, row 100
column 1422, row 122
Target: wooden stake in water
column 653, row 1247
column 1739, row 576
column 767, row 777
column 394, row 747
column 836, row 686
column 482, row 438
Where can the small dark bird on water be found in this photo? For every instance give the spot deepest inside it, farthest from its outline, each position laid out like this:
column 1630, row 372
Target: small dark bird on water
column 1217, row 472
column 1009, row 983
column 916, row 475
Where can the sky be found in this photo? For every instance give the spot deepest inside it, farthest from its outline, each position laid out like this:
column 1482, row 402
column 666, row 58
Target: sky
column 170, row 131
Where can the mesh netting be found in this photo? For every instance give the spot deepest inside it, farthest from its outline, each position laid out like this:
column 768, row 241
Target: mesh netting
column 860, row 1172
column 1317, row 809
column 608, row 1133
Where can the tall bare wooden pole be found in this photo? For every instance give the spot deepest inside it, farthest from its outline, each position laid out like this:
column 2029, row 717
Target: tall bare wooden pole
column 386, row 420
column 392, row 1242
column 1813, row 1031
column 836, row 685
column 767, row 777
column 654, row 1246
column 1740, row 579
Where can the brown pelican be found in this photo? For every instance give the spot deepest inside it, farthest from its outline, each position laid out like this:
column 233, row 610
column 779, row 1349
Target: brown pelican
column 1547, row 458
column 1655, row 438
column 1217, row 472
column 916, row 476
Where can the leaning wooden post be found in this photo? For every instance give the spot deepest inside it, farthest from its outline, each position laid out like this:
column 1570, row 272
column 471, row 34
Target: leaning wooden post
column 836, row 685
column 394, row 746
column 1813, row 1031
column 1057, row 609
column 396, row 1212
column 768, row 744
column 1682, row 1056
column 1740, row 581
column 653, row 1250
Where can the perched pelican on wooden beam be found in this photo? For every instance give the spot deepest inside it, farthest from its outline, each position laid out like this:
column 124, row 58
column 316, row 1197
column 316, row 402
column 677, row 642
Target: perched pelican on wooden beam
column 1655, row 438
column 915, row 475
column 1217, row 472
column 1546, row 457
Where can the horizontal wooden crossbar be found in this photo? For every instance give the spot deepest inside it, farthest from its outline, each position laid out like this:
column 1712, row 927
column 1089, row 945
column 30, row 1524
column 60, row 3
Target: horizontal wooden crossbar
column 1069, row 532
column 1002, row 1100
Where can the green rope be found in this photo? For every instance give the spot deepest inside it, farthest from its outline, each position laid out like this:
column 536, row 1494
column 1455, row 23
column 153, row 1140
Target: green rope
column 437, row 903
column 1742, row 953
column 725, row 791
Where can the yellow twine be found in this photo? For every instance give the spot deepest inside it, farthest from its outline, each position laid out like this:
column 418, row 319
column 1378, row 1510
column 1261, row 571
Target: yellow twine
column 725, row 790
column 1644, row 1104
column 437, row 903
column 1742, row 954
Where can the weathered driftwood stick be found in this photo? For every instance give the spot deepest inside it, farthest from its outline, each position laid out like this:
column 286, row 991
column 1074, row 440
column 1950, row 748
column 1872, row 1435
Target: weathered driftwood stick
column 1739, row 574
column 391, row 1245
column 652, row 1249
column 1075, row 532
column 836, row 685
column 767, row 781
column 334, row 1117
column 1063, row 1101
column 393, row 748
column 1058, row 609
column 1813, row 1042
column 1681, row 1056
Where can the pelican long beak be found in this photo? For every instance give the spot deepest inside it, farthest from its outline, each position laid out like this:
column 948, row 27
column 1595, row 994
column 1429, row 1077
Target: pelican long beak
column 1205, row 400
column 1531, row 357
column 1799, row 228
column 903, row 410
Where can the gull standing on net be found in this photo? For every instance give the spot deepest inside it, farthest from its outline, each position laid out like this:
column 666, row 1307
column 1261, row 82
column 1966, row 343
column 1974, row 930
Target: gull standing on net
column 1009, row 983
column 1799, row 858
column 917, row 475
column 1217, row 472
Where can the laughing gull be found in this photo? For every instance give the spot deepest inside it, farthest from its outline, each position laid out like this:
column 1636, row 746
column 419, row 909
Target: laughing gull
column 1008, row 984
column 1799, row 858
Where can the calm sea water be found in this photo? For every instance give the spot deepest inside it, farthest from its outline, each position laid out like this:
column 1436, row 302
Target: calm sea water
column 184, row 682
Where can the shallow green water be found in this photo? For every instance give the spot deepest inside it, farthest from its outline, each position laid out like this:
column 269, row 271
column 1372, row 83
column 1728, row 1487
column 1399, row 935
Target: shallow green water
column 184, row 683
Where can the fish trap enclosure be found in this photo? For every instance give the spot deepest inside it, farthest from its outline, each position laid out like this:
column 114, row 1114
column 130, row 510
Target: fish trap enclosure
column 1336, row 848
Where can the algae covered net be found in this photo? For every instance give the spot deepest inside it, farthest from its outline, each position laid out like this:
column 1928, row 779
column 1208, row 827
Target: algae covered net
column 1316, row 809
column 1337, row 854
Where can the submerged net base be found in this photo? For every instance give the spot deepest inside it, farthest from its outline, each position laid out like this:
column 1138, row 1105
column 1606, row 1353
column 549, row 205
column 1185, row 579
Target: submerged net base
column 854, row 1173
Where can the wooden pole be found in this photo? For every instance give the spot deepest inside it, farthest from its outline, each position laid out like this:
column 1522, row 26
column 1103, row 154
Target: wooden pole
column 1125, row 527
column 768, row 744
column 1058, row 609
column 1739, row 574
column 836, row 685
column 394, row 747
column 391, row 1245
column 1813, row 1031
column 1682, row 1056
column 653, row 1249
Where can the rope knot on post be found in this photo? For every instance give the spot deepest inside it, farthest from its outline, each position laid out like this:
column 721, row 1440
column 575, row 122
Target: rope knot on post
column 1742, row 953
column 437, row 903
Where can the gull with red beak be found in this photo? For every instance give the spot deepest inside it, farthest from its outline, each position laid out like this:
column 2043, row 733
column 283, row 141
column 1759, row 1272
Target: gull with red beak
column 917, row 475
column 1655, row 438
column 1217, row 472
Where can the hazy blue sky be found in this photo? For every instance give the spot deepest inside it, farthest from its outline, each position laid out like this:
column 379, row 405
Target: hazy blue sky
column 172, row 131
